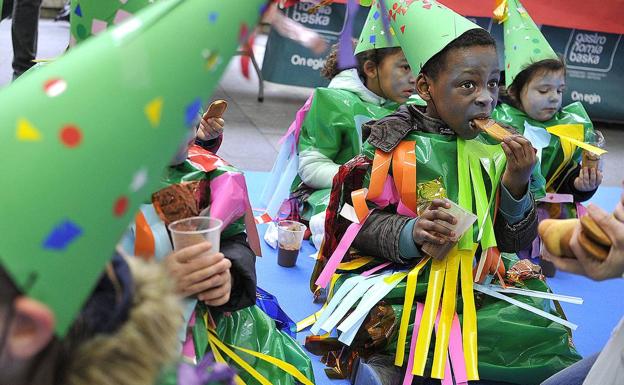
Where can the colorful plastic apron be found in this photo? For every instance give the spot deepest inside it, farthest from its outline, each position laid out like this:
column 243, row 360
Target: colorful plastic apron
column 484, row 337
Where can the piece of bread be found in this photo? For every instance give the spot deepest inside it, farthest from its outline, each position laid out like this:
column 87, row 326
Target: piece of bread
column 555, row 232
column 594, row 232
column 592, row 248
column 492, row 128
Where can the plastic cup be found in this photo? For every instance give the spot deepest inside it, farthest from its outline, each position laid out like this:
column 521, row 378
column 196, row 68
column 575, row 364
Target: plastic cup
column 193, row 230
column 465, row 219
column 591, row 160
column 289, row 239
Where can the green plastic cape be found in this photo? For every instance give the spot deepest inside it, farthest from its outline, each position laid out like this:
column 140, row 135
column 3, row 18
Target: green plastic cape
column 515, row 346
column 333, row 127
column 252, row 329
column 552, row 155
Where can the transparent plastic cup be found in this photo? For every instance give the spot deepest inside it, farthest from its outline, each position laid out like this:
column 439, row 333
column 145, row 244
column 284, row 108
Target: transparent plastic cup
column 465, row 219
column 191, row 231
column 289, row 239
column 591, row 160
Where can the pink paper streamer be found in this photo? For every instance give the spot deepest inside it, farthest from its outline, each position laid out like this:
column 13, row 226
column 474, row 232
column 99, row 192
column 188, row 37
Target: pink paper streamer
column 389, row 194
column 375, row 269
column 295, row 126
column 404, row 210
column 188, row 348
column 338, row 255
column 456, row 350
column 228, row 195
column 407, row 379
column 557, row 198
column 581, row 210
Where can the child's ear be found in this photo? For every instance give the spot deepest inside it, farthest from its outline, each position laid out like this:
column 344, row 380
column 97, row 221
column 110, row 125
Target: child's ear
column 32, row 328
column 370, row 69
column 422, row 87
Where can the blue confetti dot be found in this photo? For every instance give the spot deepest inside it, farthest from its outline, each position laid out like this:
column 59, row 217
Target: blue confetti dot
column 376, row 15
column 213, row 16
column 372, row 39
column 62, row 235
column 192, row 110
column 78, row 10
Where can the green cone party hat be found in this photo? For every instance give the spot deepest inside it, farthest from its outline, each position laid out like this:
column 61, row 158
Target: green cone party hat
column 92, row 17
column 524, row 42
column 424, row 28
column 85, row 139
column 373, row 35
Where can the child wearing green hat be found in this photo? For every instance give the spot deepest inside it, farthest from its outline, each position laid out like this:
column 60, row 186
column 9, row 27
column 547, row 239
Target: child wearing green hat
column 327, row 131
column 535, row 81
column 421, row 171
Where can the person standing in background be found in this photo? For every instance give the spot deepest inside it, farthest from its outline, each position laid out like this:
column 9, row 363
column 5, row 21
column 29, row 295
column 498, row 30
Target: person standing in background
column 24, row 29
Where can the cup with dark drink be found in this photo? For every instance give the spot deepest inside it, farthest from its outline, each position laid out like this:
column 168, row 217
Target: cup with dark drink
column 289, row 239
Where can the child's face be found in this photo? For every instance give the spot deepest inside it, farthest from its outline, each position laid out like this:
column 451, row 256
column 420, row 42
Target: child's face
column 541, row 97
column 465, row 89
column 396, row 79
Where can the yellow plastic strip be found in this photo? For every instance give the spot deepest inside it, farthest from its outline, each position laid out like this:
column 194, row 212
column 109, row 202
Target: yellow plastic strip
column 469, row 327
column 432, row 303
column 219, row 358
column 308, row 321
column 236, row 358
column 449, row 300
column 410, row 292
column 569, row 136
column 465, row 189
column 574, row 133
column 283, row 365
column 355, row 264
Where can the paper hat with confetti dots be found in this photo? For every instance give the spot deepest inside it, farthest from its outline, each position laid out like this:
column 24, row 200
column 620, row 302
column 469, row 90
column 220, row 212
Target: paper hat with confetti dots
column 85, row 140
column 92, row 17
column 374, row 35
column 424, row 28
column 524, row 42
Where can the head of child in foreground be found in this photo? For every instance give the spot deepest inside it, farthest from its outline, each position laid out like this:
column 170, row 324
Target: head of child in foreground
column 538, row 89
column 384, row 71
column 123, row 334
column 460, row 83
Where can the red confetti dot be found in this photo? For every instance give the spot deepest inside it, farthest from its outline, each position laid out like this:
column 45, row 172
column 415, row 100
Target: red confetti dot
column 121, row 205
column 71, row 136
column 54, row 87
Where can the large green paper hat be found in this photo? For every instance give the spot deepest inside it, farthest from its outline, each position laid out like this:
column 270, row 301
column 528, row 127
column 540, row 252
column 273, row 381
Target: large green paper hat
column 85, row 139
column 92, row 17
column 524, row 42
column 373, row 34
column 424, row 28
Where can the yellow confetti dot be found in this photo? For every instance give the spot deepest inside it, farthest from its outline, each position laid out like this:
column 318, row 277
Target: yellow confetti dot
column 26, row 132
column 153, row 111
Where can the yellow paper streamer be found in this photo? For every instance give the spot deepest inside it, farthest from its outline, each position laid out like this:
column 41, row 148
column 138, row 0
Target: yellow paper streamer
column 355, row 264
column 570, row 136
column 449, row 300
column 236, row 358
column 469, row 327
column 219, row 358
column 500, row 12
column 432, row 302
column 285, row 366
column 574, row 133
column 410, row 292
